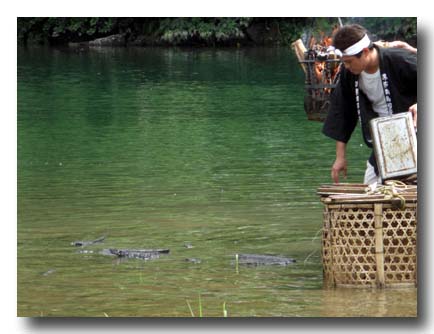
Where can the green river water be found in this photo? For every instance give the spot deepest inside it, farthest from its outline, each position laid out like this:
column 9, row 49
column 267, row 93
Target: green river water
column 159, row 148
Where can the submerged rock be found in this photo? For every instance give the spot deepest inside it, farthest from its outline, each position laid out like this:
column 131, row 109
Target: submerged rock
column 193, row 260
column 49, row 272
column 84, row 243
column 257, row 259
column 85, row 251
column 143, row 254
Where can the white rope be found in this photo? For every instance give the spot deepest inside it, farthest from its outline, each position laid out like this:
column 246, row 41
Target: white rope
column 391, row 189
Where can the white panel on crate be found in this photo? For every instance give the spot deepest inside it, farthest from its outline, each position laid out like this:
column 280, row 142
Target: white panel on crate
column 395, row 145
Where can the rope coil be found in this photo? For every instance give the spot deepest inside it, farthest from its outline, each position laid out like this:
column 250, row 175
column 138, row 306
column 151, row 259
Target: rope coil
column 391, row 189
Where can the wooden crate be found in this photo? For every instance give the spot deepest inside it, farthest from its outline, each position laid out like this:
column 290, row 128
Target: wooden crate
column 368, row 240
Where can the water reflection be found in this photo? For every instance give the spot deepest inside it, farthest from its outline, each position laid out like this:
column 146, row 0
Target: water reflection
column 369, row 302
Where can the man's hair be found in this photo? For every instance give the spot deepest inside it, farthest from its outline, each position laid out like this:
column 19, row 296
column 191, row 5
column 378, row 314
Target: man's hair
column 348, row 35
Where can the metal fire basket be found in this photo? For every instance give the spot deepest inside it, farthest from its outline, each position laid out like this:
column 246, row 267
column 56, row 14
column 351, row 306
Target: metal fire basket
column 321, row 79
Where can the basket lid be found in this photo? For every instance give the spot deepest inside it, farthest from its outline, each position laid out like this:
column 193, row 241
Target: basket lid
column 391, row 192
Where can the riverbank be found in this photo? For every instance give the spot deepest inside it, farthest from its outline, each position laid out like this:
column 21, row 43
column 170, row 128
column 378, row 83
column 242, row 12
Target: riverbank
column 197, row 32
column 160, row 31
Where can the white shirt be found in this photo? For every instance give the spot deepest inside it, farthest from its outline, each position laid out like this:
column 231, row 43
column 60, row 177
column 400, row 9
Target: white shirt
column 372, row 86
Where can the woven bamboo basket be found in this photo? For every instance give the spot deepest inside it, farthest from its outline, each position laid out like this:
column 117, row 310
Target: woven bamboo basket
column 369, row 240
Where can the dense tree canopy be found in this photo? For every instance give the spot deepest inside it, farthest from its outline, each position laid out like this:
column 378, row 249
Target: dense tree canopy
column 196, row 31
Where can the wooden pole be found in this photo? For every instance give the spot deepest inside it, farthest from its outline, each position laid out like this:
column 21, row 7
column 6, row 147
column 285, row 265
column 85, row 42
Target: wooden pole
column 326, row 250
column 379, row 248
column 299, row 50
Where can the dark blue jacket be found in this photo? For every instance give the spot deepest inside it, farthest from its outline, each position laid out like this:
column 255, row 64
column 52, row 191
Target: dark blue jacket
column 398, row 70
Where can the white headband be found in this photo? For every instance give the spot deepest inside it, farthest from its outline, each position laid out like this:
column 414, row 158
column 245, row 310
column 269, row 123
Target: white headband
column 357, row 47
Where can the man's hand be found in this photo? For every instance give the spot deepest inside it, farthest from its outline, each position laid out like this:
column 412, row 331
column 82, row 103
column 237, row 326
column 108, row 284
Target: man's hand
column 413, row 110
column 339, row 165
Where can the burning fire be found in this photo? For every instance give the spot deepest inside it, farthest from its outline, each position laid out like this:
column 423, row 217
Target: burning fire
column 325, row 72
column 321, row 68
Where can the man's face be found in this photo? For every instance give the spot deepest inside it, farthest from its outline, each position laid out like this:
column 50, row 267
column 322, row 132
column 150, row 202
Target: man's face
column 354, row 64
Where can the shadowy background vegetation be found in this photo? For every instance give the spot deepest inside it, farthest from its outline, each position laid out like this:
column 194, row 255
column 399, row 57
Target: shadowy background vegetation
column 196, row 31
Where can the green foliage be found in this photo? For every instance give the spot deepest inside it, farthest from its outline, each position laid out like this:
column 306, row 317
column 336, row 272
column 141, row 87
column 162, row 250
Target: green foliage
column 324, row 25
column 390, row 28
column 292, row 28
column 60, row 29
column 202, row 30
